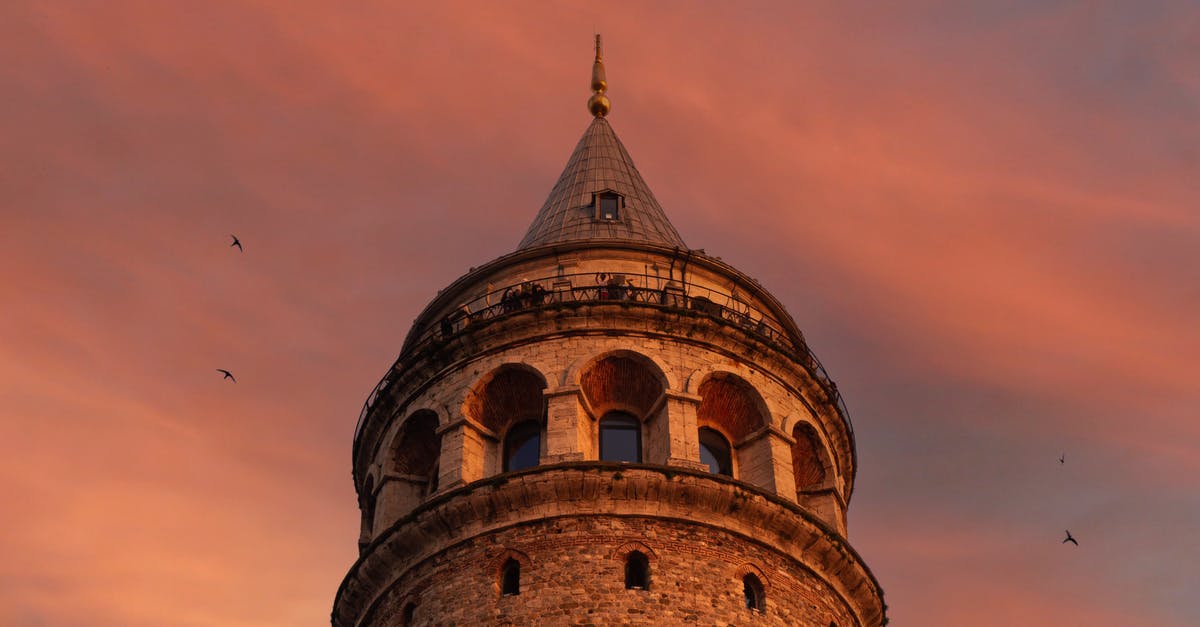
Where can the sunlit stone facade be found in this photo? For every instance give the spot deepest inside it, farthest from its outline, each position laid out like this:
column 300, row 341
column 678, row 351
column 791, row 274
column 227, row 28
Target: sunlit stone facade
column 605, row 427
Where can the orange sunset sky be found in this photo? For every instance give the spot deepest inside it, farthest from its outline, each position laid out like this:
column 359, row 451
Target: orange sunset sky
column 985, row 216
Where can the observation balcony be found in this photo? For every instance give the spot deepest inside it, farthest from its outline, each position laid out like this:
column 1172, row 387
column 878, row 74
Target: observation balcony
column 625, row 289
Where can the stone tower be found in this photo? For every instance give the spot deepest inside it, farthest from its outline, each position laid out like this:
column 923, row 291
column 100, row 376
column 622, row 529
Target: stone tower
column 605, row 427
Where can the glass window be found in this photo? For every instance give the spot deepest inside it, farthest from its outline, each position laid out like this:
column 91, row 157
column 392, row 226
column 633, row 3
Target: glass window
column 620, row 438
column 609, row 204
column 510, row 578
column 714, row 452
column 523, row 446
column 637, row 571
column 756, row 598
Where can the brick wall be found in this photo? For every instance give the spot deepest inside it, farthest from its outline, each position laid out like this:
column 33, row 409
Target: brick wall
column 574, row 575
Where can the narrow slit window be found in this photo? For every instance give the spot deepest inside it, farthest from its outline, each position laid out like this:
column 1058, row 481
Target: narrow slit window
column 756, row 598
column 637, row 571
column 410, row 612
column 510, row 578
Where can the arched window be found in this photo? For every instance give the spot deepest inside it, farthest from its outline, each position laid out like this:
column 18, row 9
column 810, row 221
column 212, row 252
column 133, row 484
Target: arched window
column 756, row 598
column 715, row 452
column 637, row 571
column 416, row 452
column 523, row 446
column 733, row 411
column 410, row 612
column 510, row 578
column 620, row 438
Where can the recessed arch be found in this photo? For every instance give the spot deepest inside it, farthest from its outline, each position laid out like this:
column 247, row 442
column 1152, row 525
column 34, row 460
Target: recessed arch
column 729, row 404
column 754, row 594
column 409, row 472
column 417, row 445
column 625, row 549
column 811, row 467
column 510, row 577
column 408, row 616
column 754, row 585
column 508, row 569
column 748, row 568
column 624, row 381
column 509, row 394
column 637, row 571
column 573, row 374
column 638, row 561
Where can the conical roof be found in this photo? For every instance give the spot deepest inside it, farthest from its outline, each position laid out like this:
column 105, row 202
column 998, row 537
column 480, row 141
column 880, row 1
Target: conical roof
column 600, row 164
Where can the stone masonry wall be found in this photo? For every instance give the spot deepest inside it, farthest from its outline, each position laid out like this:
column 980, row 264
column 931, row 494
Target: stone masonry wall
column 470, row 453
column 572, row 573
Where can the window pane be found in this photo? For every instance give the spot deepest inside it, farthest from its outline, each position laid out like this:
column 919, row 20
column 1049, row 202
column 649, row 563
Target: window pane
column 714, row 452
column 523, row 446
column 620, row 438
column 709, row 459
column 608, row 207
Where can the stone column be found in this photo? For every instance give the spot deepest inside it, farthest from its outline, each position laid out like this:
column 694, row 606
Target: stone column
column 827, row 506
column 463, row 459
column 450, row 472
column 569, row 429
column 398, row 495
column 683, row 435
column 765, row 460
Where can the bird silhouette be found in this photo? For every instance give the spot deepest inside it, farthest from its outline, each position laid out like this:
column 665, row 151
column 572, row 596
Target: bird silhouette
column 1070, row 539
column 1062, row 458
column 228, row 374
column 237, row 242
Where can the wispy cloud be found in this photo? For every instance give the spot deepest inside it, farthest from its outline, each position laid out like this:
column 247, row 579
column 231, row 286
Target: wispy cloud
column 982, row 214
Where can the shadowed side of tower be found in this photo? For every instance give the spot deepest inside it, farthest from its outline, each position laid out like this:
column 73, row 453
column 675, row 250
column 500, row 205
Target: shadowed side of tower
column 605, row 427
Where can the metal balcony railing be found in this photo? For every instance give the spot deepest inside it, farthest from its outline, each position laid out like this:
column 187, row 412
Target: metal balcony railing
column 605, row 288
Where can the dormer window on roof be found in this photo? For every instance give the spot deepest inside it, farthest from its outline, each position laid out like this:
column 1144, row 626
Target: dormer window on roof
column 608, row 205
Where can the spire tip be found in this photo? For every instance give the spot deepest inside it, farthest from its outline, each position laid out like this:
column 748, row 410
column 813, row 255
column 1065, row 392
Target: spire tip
column 599, row 104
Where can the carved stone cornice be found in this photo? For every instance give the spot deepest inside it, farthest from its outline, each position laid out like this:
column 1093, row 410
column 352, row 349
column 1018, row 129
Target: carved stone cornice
column 608, row 489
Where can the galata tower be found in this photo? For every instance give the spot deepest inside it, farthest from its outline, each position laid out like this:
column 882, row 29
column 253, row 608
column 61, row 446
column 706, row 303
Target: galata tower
column 605, row 427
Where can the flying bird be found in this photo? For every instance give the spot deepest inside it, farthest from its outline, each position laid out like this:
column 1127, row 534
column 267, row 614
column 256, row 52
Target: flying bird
column 228, row 374
column 1062, row 459
column 1070, row 539
column 236, row 242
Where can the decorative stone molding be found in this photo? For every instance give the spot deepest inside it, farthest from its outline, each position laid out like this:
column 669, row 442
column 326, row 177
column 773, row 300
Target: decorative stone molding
column 656, row 493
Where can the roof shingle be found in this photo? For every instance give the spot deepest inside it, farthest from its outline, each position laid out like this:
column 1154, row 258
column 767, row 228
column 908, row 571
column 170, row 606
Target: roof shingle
column 600, row 162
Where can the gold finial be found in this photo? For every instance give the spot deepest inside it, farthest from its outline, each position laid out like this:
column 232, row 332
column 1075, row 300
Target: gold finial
column 598, row 104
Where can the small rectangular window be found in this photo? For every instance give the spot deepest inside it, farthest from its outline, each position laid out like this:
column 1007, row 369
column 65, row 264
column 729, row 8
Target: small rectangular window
column 609, row 207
